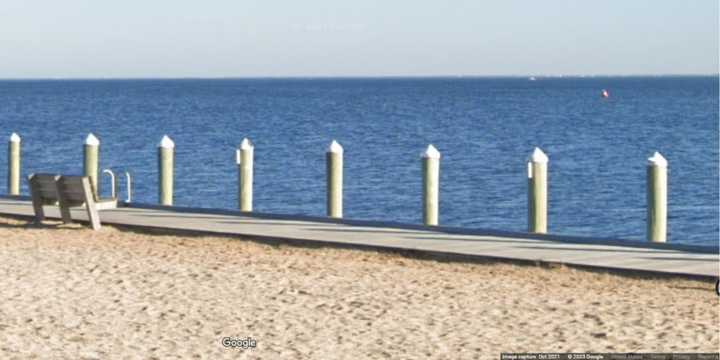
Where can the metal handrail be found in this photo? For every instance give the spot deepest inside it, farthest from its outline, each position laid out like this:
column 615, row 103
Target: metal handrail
column 129, row 186
column 113, row 185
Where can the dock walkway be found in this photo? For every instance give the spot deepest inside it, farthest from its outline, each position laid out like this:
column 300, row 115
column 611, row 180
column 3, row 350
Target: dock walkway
column 604, row 254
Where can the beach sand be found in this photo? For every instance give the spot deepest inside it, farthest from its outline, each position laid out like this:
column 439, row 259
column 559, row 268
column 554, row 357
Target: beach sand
column 67, row 292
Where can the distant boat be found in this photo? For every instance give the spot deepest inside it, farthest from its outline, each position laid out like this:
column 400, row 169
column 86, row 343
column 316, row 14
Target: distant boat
column 532, row 78
column 605, row 94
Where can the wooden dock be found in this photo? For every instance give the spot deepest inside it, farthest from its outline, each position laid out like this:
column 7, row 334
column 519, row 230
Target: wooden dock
column 702, row 262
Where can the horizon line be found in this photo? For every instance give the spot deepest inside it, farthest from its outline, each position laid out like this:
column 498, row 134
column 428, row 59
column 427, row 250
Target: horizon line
column 546, row 76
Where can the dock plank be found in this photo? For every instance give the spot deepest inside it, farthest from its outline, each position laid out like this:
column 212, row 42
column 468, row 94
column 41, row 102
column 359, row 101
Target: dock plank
column 610, row 256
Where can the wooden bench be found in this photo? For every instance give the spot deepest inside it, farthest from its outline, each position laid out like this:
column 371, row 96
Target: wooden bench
column 67, row 192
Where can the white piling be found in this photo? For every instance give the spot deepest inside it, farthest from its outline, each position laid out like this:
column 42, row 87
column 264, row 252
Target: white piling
column 537, row 192
column 91, row 161
column 657, row 195
column 166, row 160
column 334, row 173
column 431, row 185
column 244, row 158
column 14, row 150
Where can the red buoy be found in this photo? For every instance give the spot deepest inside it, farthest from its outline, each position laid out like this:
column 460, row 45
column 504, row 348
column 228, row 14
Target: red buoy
column 605, row 94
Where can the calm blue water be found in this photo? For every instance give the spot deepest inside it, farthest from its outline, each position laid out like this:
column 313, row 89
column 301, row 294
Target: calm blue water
column 484, row 127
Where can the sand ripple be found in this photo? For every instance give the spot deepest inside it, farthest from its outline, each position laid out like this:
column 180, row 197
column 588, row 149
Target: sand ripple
column 70, row 293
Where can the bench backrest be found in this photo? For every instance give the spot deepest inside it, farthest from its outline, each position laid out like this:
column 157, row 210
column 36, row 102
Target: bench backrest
column 43, row 186
column 75, row 190
column 51, row 188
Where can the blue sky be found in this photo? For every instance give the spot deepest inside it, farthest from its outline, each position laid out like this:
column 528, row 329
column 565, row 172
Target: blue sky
column 235, row 38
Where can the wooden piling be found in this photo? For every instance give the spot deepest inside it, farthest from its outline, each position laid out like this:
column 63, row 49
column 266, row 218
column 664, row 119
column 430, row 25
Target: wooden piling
column 13, row 182
column 657, row 194
column 244, row 158
column 91, row 163
column 166, row 160
column 537, row 192
column 431, row 185
column 334, row 173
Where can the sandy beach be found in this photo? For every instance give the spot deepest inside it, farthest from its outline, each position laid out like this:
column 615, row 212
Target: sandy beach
column 70, row 293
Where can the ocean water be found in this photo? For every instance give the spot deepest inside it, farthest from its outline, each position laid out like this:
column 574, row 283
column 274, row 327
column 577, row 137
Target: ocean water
column 485, row 129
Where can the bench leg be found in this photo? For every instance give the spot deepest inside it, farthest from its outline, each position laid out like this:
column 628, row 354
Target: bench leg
column 93, row 216
column 39, row 212
column 65, row 214
column 37, row 202
column 62, row 203
column 92, row 211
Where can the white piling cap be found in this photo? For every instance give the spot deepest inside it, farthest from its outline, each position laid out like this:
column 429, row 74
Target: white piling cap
column 14, row 137
column 335, row 147
column 246, row 144
column 538, row 156
column 166, row 142
column 657, row 160
column 430, row 153
column 92, row 140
